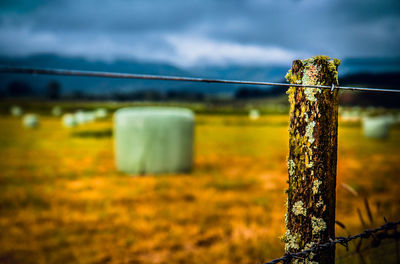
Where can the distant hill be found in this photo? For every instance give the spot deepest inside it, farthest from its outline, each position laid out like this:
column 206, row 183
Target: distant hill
column 382, row 80
column 379, row 80
column 365, row 72
column 96, row 86
column 88, row 85
column 351, row 66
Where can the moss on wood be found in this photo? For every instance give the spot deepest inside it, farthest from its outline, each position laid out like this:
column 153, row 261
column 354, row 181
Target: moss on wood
column 312, row 156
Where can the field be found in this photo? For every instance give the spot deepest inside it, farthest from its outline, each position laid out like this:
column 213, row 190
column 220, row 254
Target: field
column 62, row 201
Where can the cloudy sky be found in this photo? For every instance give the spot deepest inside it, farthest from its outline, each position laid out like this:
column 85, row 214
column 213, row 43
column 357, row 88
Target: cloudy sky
column 201, row 32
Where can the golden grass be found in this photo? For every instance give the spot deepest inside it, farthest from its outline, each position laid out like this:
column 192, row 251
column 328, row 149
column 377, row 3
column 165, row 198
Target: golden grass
column 61, row 200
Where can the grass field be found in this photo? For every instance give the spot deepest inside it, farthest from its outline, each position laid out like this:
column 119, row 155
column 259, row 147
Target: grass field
column 62, row 201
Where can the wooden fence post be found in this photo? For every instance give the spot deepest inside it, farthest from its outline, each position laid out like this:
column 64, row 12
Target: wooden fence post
column 312, row 159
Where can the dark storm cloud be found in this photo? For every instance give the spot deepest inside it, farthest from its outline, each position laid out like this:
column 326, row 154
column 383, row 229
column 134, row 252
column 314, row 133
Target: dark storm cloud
column 202, row 31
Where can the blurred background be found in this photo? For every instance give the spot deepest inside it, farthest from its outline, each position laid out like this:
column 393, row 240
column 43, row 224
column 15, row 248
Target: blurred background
column 62, row 198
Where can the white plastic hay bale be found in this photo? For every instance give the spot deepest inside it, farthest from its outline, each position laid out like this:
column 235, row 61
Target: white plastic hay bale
column 69, row 120
column 376, row 127
column 101, row 113
column 345, row 115
column 391, row 119
column 30, row 121
column 16, row 111
column 254, row 114
column 356, row 110
column 56, row 111
column 81, row 118
column 90, row 116
column 370, row 110
column 351, row 116
column 153, row 140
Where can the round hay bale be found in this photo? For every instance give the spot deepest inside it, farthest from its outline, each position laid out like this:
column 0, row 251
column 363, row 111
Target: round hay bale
column 153, row 140
column 69, row 120
column 398, row 118
column 254, row 114
column 30, row 121
column 350, row 116
column 81, row 117
column 90, row 116
column 391, row 119
column 376, row 127
column 101, row 113
column 16, row 111
column 56, row 111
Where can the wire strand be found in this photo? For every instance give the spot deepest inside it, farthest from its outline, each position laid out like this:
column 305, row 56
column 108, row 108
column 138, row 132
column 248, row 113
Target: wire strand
column 174, row 78
column 339, row 240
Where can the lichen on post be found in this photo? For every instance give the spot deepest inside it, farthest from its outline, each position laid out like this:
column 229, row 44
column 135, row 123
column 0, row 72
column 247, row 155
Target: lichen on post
column 312, row 157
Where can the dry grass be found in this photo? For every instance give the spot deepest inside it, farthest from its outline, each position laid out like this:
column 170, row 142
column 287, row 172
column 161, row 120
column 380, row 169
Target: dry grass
column 61, row 200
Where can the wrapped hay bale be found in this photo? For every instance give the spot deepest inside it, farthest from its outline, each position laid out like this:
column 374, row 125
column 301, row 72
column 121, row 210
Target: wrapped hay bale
column 82, row 117
column 376, row 127
column 254, row 114
column 153, row 139
column 391, row 119
column 16, row 111
column 90, row 116
column 30, row 121
column 350, row 116
column 56, row 111
column 101, row 113
column 69, row 120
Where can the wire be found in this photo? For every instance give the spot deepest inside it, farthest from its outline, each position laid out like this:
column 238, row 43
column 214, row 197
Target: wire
column 173, row 78
column 339, row 240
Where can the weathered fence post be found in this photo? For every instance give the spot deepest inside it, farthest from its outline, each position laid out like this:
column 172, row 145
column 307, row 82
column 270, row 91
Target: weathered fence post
column 310, row 217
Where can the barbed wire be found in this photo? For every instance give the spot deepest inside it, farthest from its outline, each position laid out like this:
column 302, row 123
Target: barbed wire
column 339, row 240
column 175, row 78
